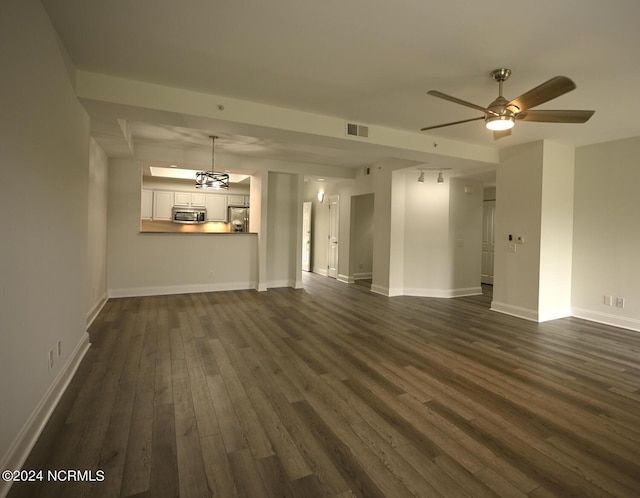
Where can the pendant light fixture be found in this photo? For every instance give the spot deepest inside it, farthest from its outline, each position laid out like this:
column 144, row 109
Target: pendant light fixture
column 212, row 179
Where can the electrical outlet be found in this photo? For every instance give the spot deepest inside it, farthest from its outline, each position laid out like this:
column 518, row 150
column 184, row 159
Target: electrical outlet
column 620, row 302
column 608, row 300
column 59, row 349
column 50, row 359
column 519, row 239
column 211, row 274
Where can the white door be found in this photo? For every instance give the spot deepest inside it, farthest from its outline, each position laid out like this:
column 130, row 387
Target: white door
column 334, row 218
column 306, row 236
column 488, row 242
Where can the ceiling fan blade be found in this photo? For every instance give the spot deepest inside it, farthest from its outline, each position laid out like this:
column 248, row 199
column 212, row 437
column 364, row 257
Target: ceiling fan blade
column 455, row 100
column 551, row 116
column 497, row 135
column 543, row 93
column 450, row 124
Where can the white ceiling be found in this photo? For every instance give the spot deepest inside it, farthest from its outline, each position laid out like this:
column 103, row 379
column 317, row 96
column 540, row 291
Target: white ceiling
column 368, row 61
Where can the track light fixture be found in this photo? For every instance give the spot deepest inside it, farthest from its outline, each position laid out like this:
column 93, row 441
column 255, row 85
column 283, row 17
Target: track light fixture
column 421, row 177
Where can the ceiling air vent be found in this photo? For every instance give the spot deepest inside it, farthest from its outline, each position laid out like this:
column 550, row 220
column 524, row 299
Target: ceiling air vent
column 356, row 130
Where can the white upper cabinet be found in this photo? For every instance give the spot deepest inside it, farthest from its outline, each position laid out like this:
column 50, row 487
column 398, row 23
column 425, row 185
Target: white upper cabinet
column 198, row 199
column 188, row 199
column 162, row 204
column 182, row 199
column 146, row 205
column 216, row 205
column 236, row 200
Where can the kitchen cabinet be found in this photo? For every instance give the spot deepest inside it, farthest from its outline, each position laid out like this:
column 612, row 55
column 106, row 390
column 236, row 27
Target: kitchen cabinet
column 146, row 205
column 216, row 205
column 198, row 199
column 189, row 199
column 162, row 205
column 236, row 200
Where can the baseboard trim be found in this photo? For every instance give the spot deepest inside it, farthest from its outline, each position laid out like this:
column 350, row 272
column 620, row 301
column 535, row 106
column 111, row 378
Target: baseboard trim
column 517, row 311
column 363, row 276
column 278, row 284
column 31, row 430
column 345, row 279
column 96, row 309
column 386, row 291
column 443, row 293
column 607, row 319
column 180, row 289
column 554, row 315
column 321, row 271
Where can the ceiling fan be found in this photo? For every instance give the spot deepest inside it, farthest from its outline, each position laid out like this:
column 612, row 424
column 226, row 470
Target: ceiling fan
column 500, row 116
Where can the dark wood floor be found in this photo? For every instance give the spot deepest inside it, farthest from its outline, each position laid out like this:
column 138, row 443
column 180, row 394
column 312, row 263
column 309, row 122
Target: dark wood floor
column 335, row 391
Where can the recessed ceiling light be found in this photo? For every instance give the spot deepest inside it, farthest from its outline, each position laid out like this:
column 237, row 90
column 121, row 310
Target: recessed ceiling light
column 173, row 165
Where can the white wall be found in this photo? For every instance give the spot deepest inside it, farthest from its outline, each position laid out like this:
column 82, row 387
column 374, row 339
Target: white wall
column 534, row 206
column 465, row 235
column 428, row 236
column 166, row 263
column 361, row 237
column 44, row 155
column 428, row 258
column 282, row 230
column 97, row 228
column 518, row 213
column 606, row 233
column 556, row 232
column 442, row 237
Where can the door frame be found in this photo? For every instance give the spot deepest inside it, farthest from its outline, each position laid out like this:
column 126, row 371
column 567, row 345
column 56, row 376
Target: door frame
column 333, row 237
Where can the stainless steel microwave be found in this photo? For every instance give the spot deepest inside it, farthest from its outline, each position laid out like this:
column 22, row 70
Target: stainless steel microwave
column 189, row 215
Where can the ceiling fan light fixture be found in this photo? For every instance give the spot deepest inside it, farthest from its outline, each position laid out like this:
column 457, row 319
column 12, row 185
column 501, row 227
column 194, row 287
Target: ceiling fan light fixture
column 499, row 123
column 212, row 179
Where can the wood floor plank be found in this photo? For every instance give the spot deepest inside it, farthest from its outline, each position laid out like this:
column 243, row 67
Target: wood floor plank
column 246, row 474
column 164, row 468
column 216, row 466
column 334, row 391
column 191, row 474
column 230, row 428
column 283, row 445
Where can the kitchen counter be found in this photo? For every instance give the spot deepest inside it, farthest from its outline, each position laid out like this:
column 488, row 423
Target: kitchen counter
column 156, row 226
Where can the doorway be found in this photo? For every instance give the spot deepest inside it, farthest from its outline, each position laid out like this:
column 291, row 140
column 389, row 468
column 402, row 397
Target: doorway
column 334, row 229
column 361, row 239
column 306, row 236
column 488, row 241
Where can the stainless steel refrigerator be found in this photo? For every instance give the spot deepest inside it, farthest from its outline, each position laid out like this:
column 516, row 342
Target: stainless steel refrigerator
column 239, row 219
